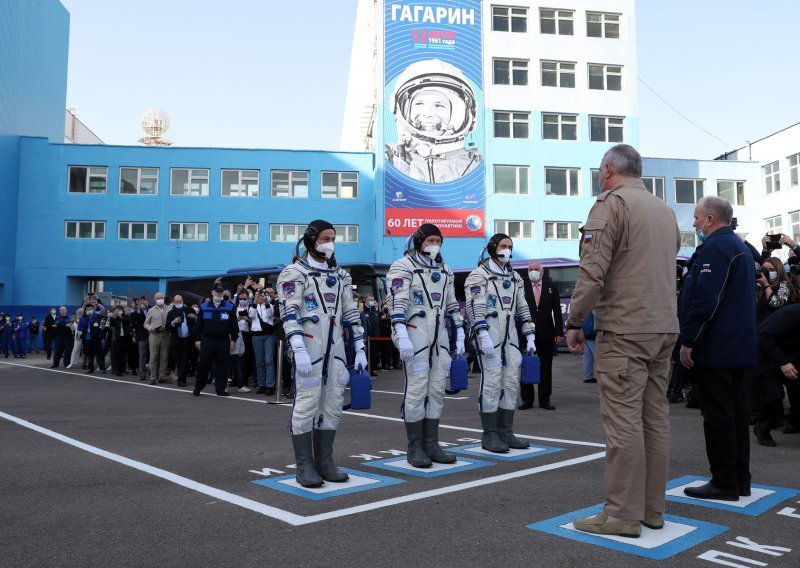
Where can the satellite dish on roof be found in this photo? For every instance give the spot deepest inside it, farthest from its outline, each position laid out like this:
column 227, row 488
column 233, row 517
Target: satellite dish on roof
column 155, row 123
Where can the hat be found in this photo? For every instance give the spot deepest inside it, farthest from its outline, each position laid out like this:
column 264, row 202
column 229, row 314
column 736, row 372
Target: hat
column 218, row 287
column 425, row 230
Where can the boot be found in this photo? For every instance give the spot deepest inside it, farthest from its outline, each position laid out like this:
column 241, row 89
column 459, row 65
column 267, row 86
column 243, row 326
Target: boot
column 490, row 440
column 431, row 439
column 323, row 456
column 416, row 456
column 505, row 425
column 305, row 474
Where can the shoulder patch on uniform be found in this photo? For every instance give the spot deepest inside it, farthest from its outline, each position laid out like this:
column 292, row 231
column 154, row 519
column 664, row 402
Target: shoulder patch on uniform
column 475, row 291
column 587, row 238
column 398, row 283
column 289, row 289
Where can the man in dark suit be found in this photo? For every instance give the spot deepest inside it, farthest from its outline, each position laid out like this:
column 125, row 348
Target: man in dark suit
column 545, row 305
column 180, row 321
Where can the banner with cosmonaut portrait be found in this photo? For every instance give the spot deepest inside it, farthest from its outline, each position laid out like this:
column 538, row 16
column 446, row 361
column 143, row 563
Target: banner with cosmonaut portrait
column 433, row 116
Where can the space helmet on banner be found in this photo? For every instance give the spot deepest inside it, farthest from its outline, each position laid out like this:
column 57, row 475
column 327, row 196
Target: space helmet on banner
column 445, row 79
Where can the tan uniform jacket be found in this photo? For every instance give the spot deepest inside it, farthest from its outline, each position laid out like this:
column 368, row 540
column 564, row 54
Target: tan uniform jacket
column 627, row 267
column 156, row 318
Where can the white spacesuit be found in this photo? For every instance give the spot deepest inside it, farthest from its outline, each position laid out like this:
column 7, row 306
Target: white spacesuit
column 316, row 300
column 421, row 296
column 435, row 110
column 494, row 298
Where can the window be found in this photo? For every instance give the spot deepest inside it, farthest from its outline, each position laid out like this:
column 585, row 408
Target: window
column 515, row 229
column 558, row 74
column 507, row 19
column 596, row 182
column 599, row 24
column 559, row 126
column 85, row 229
column 561, row 181
column 511, row 179
column 794, row 225
column 772, row 177
column 556, row 21
column 286, row 233
column 188, row 231
column 286, row 183
column 731, row 191
column 137, row 231
column 189, row 182
column 88, row 179
column 654, row 185
column 688, row 190
column 774, row 225
column 346, row 233
column 561, row 231
column 605, row 77
column 794, row 170
column 238, row 232
column 688, row 239
column 512, row 124
column 340, row 184
column 240, row 183
column 510, row 72
column 606, row 128
column 138, row 181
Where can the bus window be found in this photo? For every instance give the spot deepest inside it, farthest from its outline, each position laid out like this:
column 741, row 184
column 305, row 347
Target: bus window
column 565, row 277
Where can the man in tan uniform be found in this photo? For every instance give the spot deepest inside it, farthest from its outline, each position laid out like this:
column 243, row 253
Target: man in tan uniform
column 627, row 275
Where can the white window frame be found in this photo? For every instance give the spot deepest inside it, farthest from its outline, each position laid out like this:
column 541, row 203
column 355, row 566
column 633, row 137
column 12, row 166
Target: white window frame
column 607, row 19
column 77, row 223
column 618, row 123
column 139, row 178
column 519, row 175
column 794, row 225
column 561, row 121
column 558, row 17
column 774, row 225
column 573, row 230
column 569, row 174
column 654, row 186
column 514, row 66
column 226, row 232
column 298, row 232
column 290, row 192
column 772, row 177
column 130, row 230
column 609, row 70
column 183, row 225
column 735, row 183
column 697, row 198
column 511, row 13
column 594, row 180
column 794, row 169
column 517, row 233
column 339, row 184
column 89, row 175
column 562, row 70
column 346, row 234
column 194, row 175
column 243, row 189
column 514, row 118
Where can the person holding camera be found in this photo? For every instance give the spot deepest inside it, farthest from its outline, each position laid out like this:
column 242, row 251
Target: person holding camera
column 775, row 289
column 262, row 328
column 771, row 243
column 157, row 324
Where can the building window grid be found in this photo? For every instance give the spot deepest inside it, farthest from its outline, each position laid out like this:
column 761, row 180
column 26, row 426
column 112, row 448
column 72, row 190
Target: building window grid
column 602, row 24
column 794, row 170
column 559, row 126
column 731, row 190
column 341, row 185
column 561, row 181
column 240, row 183
column 283, row 232
column 561, row 230
column 772, row 177
column 346, row 233
column 512, row 124
column 556, row 22
column 595, row 173
column 189, row 181
column 655, row 185
column 138, row 181
column 85, row 229
column 510, row 72
column 604, row 77
column 509, row 19
column 794, row 225
column 289, row 183
column 688, row 239
column 558, row 74
column 689, row 190
column 238, row 232
column 607, row 128
column 774, row 225
column 511, row 180
column 87, row 179
column 516, row 229
column 188, row 231
column 137, row 231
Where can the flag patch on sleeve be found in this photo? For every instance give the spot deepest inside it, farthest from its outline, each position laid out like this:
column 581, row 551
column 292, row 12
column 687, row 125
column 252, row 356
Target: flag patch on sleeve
column 587, row 238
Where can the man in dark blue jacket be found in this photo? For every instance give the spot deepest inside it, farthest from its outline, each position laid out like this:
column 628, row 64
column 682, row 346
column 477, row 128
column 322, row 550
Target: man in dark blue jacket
column 718, row 337
column 215, row 333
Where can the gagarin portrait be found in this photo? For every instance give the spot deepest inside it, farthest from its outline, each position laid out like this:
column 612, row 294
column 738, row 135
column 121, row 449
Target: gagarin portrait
column 434, row 109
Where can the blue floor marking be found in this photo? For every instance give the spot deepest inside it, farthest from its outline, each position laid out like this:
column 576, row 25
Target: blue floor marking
column 758, row 507
column 381, row 481
column 470, row 450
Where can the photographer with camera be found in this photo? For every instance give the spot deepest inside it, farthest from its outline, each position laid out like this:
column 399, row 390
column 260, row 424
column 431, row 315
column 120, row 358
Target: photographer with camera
column 771, row 243
column 262, row 327
column 775, row 289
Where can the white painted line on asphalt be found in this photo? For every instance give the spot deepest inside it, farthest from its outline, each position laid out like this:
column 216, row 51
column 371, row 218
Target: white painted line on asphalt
column 289, row 404
column 255, row 506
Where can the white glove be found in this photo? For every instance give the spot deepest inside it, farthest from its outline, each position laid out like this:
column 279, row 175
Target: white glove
column 403, row 344
column 361, row 359
column 531, row 347
column 302, row 361
column 485, row 341
column 460, row 341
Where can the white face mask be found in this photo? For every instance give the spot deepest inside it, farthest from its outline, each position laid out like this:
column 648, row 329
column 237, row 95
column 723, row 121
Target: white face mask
column 217, row 299
column 504, row 255
column 325, row 249
column 160, row 302
column 178, row 306
column 773, row 275
column 534, row 275
column 432, row 251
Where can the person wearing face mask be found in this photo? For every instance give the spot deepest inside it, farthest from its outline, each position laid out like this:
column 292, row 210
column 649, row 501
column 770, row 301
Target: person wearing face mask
column 371, row 322
column 77, row 343
column 63, row 337
column 421, row 296
column 316, row 302
column 215, row 334
column 142, row 336
column 93, row 335
column 20, row 334
column 262, row 316
column 544, row 302
column 180, row 321
column 495, row 299
column 33, row 328
column 48, row 331
column 157, row 325
column 775, row 288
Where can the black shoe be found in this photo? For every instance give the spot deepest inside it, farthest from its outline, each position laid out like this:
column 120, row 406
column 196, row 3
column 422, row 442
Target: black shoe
column 223, row 394
column 546, row 406
column 195, row 393
column 269, row 391
column 90, row 372
column 590, row 381
column 181, row 383
column 373, row 374
column 764, row 438
column 525, row 406
column 791, row 429
column 709, row 491
column 54, row 366
column 744, row 492
column 261, row 390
